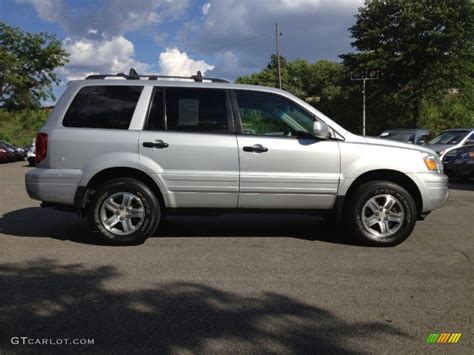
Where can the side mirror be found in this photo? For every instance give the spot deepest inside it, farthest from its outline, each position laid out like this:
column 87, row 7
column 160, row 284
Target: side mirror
column 320, row 130
column 422, row 141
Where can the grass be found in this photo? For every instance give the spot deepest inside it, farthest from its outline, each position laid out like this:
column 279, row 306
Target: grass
column 20, row 127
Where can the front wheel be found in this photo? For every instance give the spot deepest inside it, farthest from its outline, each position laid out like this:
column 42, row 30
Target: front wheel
column 124, row 211
column 380, row 213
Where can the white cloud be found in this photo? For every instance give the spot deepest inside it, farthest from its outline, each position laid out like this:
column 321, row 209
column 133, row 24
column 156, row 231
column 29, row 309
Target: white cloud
column 307, row 4
column 75, row 76
column 227, row 64
column 161, row 39
column 205, row 8
column 100, row 56
column 107, row 17
column 312, row 30
column 48, row 10
column 174, row 62
column 239, row 43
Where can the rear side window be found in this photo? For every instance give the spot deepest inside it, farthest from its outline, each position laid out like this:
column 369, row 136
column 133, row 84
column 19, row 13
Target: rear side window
column 196, row 110
column 103, row 107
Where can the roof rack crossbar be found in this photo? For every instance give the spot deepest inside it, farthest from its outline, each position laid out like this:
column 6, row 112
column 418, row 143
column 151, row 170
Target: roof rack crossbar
column 133, row 75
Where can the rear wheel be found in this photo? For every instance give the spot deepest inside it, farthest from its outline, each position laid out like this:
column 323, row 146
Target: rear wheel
column 380, row 213
column 124, row 211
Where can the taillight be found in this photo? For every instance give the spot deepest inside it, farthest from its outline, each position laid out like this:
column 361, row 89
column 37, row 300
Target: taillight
column 41, row 147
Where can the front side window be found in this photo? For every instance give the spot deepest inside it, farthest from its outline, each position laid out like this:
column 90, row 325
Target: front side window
column 196, row 110
column 272, row 115
column 103, row 107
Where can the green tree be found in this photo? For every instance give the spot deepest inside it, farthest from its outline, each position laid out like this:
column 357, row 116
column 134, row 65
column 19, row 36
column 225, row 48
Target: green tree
column 27, row 63
column 312, row 81
column 267, row 77
column 423, row 49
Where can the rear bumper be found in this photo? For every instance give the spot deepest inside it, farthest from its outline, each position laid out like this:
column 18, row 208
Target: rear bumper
column 53, row 185
column 433, row 188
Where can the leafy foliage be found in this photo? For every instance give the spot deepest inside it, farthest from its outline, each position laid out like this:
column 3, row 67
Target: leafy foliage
column 27, row 63
column 452, row 111
column 20, row 127
column 423, row 48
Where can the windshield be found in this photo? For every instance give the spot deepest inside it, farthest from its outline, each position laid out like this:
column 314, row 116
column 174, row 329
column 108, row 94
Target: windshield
column 5, row 143
column 449, row 137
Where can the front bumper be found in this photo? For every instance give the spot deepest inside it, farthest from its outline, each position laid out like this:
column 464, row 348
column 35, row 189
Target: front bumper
column 53, row 185
column 433, row 188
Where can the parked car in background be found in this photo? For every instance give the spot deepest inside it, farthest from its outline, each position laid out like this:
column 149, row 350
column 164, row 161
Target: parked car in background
column 11, row 154
column 20, row 153
column 31, row 154
column 3, row 156
column 451, row 139
column 459, row 163
column 412, row 136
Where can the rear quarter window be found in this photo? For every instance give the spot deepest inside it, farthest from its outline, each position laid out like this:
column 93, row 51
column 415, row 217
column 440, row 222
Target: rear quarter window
column 103, row 107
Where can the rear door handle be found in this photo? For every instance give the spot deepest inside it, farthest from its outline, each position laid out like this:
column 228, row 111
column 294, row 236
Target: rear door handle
column 256, row 148
column 156, row 144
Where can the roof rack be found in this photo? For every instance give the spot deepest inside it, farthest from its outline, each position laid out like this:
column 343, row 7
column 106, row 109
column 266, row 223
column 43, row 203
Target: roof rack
column 133, row 75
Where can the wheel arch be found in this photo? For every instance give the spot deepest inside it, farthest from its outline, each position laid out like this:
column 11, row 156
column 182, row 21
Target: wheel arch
column 84, row 193
column 394, row 176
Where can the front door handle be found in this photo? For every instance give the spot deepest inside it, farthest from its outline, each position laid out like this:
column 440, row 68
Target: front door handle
column 256, row 148
column 156, row 144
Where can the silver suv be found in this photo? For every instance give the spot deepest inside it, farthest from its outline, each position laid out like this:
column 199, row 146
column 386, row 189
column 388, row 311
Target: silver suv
column 125, row 152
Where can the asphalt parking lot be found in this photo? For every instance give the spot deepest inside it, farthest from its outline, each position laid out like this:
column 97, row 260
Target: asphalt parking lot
column 235, row 283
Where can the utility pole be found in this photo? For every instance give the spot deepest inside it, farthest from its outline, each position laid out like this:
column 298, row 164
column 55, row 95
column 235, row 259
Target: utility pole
column 363, row 106
column 277, row 38
column 364, row 76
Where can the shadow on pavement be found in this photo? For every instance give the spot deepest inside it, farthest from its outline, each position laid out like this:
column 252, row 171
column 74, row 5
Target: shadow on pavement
column 41, row 222
column 45, row 222
column 50, row 300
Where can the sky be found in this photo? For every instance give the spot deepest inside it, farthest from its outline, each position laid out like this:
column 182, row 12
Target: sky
column 222, row 38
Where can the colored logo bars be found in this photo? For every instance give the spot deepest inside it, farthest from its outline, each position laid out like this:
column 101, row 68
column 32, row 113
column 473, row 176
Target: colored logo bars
column 439, row 338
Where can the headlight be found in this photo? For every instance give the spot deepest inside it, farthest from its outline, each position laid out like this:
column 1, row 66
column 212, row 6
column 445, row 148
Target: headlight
column 432, row 162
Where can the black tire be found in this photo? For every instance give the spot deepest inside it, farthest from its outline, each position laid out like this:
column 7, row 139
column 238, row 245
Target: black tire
column 143, row 194
column 355, row 205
